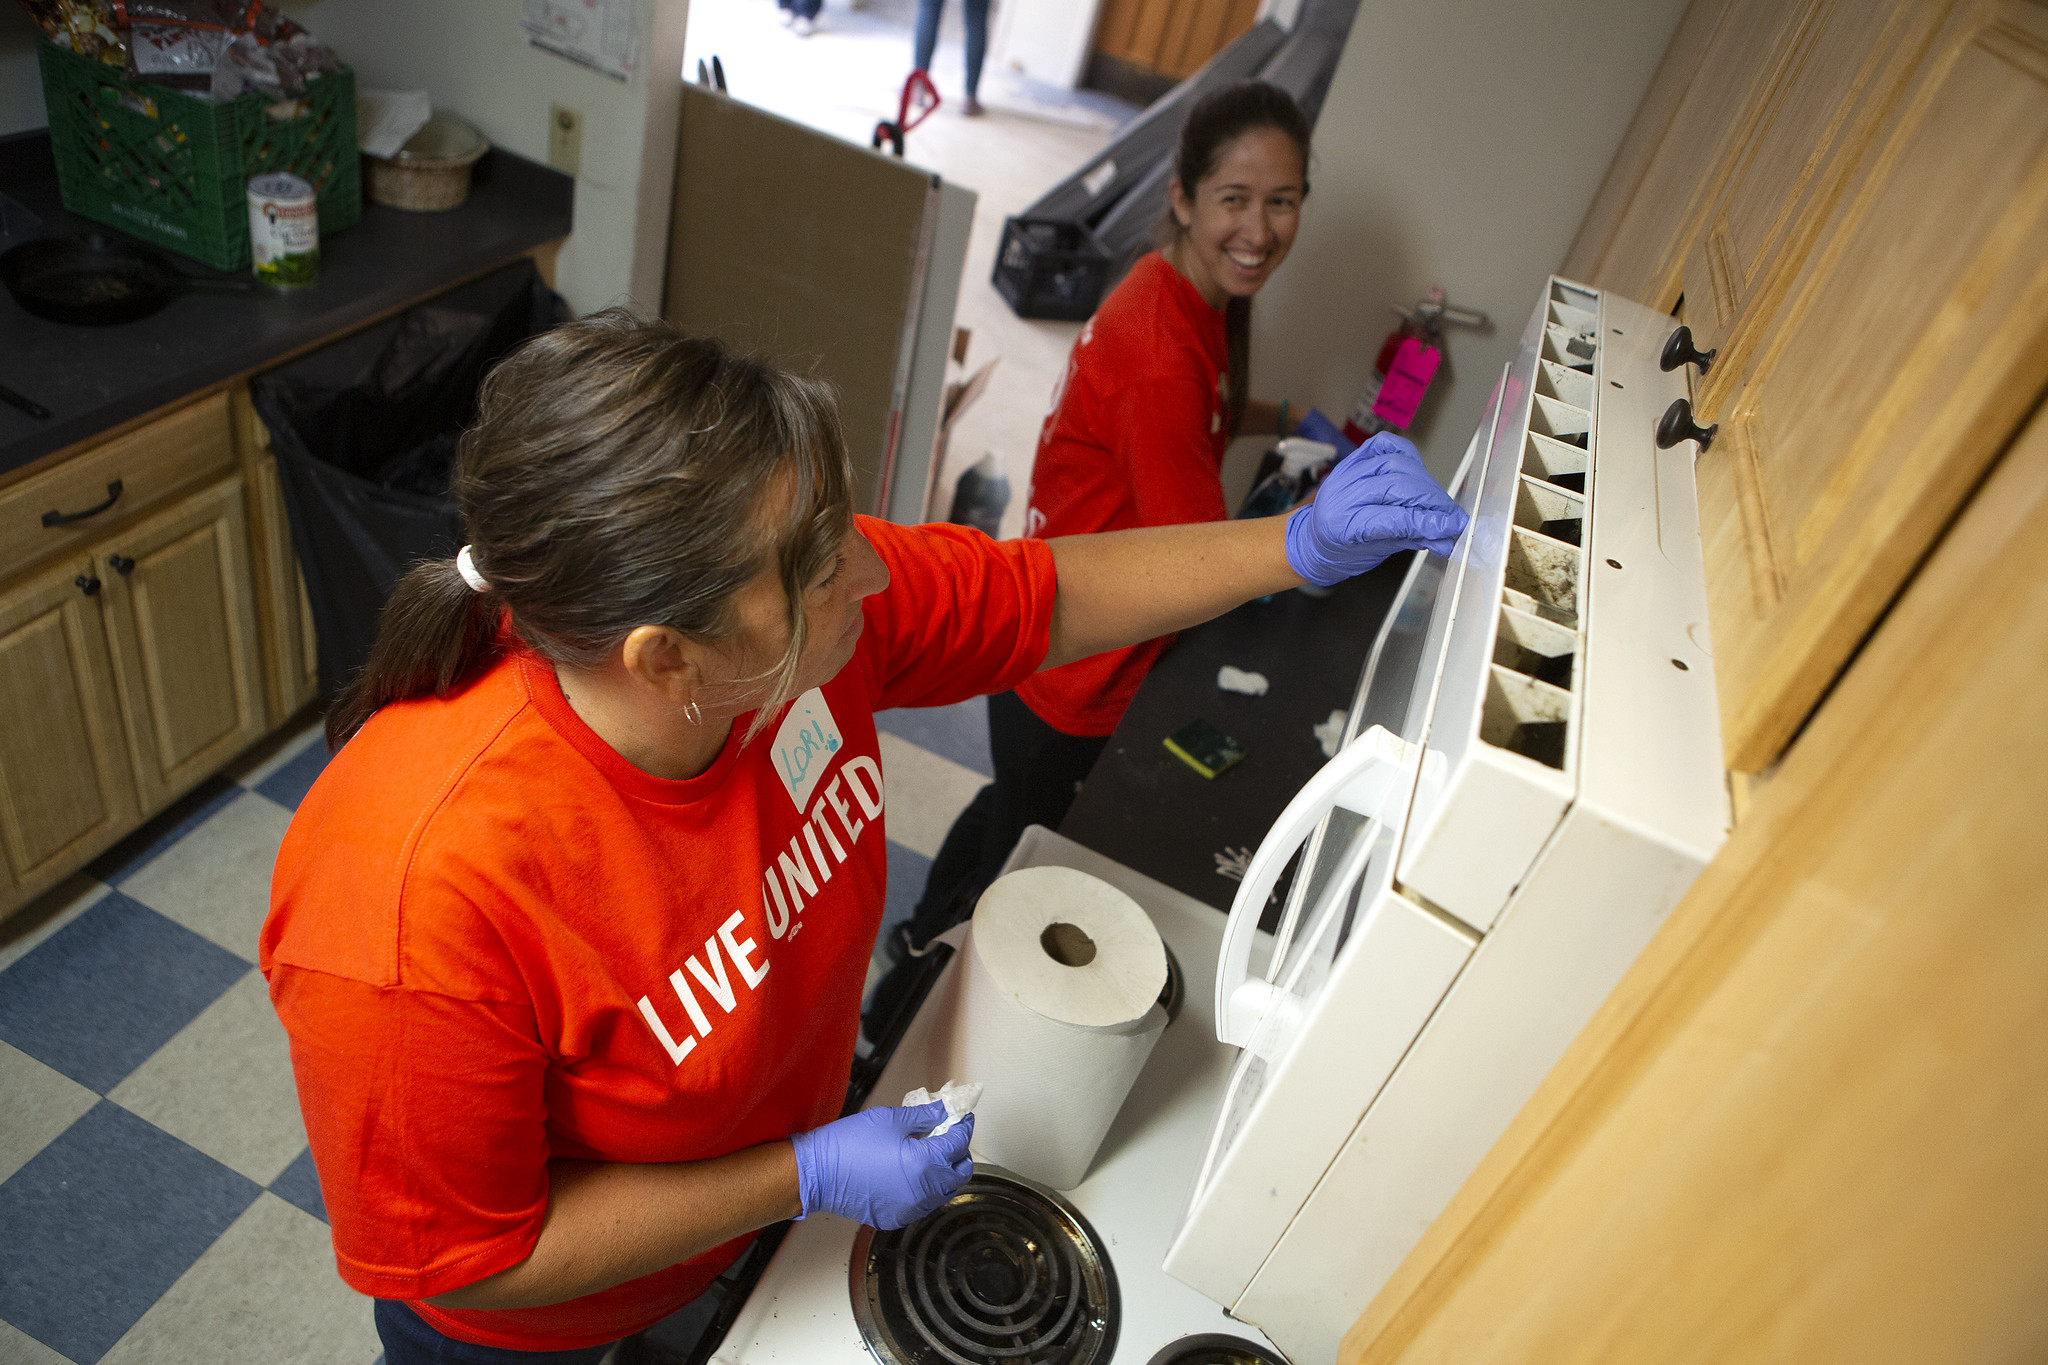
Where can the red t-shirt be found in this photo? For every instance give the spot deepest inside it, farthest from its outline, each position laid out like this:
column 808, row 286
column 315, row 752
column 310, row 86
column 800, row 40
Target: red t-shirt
column 1135, row 438
column 494, row 941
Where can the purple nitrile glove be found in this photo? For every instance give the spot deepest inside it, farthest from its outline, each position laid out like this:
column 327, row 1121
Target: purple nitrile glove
column 1379, row 500
column 876, row 1167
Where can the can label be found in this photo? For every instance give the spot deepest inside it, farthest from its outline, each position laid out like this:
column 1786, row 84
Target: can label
column 284, row 230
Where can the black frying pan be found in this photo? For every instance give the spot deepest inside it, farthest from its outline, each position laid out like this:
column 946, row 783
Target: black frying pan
column 94, row 279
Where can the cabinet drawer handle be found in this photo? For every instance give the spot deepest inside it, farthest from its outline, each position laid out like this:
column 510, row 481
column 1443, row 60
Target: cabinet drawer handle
column 122, row 564
column 1679, row 350
column 88, row 585
column 1677, row 424
column 66, row 518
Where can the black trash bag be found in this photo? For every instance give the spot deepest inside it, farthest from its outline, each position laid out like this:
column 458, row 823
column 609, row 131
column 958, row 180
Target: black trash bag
column 365, row 433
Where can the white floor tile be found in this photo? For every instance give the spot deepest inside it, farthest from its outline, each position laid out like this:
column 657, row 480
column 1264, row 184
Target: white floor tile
column 266, row 1293
column 216, row 880
column 924, row 793
column 19, row 1348
column 39, row 1104
column 56, row 907
column 224, row 1085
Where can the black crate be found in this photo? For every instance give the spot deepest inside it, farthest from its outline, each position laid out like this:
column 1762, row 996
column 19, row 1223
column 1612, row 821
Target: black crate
column 1048, row 268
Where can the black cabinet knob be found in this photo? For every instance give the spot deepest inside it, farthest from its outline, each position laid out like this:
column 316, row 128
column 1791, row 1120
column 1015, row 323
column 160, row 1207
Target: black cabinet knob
column 123, row 565
column 1677, row 425
column 88, row 585
column 1678, row 350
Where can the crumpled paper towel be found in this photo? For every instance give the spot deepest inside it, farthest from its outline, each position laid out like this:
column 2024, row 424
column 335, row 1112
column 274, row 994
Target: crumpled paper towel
column 1330, row 734
column 960, row 1098
column 1238, row 680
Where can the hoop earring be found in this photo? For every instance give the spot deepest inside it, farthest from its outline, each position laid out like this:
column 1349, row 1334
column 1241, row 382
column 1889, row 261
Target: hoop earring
column 693, row 714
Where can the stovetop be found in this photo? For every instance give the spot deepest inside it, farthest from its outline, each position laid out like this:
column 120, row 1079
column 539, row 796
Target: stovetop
column 802, row 1311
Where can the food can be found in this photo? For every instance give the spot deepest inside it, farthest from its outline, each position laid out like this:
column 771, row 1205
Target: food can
column 284, row 230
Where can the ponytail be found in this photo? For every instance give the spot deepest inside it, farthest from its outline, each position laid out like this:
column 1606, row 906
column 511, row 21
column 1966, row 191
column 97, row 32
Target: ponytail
column 434, row 635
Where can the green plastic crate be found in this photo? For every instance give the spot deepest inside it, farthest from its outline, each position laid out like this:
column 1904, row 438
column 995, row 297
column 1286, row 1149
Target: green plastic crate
column 173, row 169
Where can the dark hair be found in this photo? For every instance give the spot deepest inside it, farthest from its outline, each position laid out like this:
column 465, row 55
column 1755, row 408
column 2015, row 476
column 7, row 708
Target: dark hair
column 1217, row 120
column 614, row 477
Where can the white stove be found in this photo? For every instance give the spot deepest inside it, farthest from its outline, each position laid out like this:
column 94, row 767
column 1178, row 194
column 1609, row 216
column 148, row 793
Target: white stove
column 803, row 1307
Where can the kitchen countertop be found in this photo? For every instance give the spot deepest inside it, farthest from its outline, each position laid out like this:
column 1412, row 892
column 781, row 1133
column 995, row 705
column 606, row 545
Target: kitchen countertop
column 1156, row 815
column 96, row 378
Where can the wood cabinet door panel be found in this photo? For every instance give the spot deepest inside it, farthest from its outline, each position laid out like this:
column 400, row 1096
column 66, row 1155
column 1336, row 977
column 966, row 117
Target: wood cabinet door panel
column 183, row 631
column 1677, row 154
column 1840, row 78
column 65, row 789
column 1910, row 343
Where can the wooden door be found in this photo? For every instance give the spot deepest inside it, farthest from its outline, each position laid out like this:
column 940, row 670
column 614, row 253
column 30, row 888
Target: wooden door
column 65, row 787
column 1866, row 394
column 1171, row 37
column 291, row 669
column 1681, row 145
column 1808, row 1126
column 182, row 628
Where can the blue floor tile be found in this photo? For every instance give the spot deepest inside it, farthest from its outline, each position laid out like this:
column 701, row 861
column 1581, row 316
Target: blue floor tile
column 101, row 1222
column 299, row 1185
column 908, row 872
column 956, row 732
column 288, row 785
column 97, row 998
column 165, row 828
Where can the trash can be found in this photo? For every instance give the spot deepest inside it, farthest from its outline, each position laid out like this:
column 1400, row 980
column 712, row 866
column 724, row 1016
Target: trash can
column 365, row 434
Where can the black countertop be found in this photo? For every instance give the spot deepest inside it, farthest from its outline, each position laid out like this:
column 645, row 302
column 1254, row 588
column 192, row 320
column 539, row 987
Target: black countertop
column 1156, row 815
column 95, row 378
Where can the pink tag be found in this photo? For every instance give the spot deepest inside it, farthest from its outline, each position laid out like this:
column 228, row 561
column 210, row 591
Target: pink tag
column 1414, row 366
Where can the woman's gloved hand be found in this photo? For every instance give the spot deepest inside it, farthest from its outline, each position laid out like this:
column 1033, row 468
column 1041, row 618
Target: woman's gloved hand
column 1379, row 500
column 875, row 1167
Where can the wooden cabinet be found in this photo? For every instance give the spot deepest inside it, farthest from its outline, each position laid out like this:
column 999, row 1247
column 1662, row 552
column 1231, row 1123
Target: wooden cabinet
column 1678, row 150
column 1863, row 397
column 181, row 625
column 1849, row 201
column 65, row 786
column 1170, row 37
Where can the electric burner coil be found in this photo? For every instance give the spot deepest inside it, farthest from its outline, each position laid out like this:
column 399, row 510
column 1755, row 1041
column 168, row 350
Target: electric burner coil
column 1006, row 1273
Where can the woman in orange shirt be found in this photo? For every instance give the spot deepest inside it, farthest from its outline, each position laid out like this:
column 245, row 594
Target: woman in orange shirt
column 1152, row 394
column 569, row 937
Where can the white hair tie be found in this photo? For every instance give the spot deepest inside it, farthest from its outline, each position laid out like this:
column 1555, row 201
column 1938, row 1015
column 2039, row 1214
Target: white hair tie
column 466, row 566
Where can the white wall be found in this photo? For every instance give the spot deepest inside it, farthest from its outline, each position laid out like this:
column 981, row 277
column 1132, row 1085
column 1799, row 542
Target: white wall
column 21, row 83
column 474, row 60
column 1461, row 145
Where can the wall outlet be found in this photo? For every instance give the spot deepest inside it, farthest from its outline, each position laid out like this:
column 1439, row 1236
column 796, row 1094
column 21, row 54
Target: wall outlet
column 565, row 139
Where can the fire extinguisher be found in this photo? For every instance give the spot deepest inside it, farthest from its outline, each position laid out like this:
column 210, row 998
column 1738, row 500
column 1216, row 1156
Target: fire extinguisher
column 1409, row 357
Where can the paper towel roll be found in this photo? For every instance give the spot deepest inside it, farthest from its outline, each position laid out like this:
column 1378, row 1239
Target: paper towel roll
column 1057, row 1010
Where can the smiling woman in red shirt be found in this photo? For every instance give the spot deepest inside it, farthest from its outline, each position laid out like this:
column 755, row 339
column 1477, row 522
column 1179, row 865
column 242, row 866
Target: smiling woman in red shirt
column 569, row 937
column 1152, row 394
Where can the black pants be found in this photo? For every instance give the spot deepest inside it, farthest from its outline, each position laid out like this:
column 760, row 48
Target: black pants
column 1038, row 772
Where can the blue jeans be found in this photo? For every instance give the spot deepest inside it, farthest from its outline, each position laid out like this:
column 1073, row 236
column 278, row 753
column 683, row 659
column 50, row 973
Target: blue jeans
column 977, row 37
column 410, row 1339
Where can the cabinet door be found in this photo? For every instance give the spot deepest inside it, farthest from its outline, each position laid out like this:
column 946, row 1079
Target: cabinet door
column 183, row 633
column 65, row 788
column 1678, row 150
column 290, row 665
column 1841, row 74
column 1910, row 342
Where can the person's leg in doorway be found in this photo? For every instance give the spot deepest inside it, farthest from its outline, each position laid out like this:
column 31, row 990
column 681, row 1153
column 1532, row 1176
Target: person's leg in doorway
column 927, row 34
column 804, row 16
column 977, row 50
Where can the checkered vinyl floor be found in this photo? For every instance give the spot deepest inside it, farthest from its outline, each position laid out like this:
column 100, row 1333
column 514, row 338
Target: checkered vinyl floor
column 157, row 1201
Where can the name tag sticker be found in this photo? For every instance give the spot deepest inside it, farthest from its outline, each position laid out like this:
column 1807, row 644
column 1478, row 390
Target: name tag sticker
column 804, row 746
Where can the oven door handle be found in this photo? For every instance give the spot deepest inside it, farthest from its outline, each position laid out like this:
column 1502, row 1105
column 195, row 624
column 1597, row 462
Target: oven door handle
column 1362, row 777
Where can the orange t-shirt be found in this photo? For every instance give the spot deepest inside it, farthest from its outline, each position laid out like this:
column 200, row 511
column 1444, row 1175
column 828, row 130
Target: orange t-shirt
column 1135, row 438
column 493, row 941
